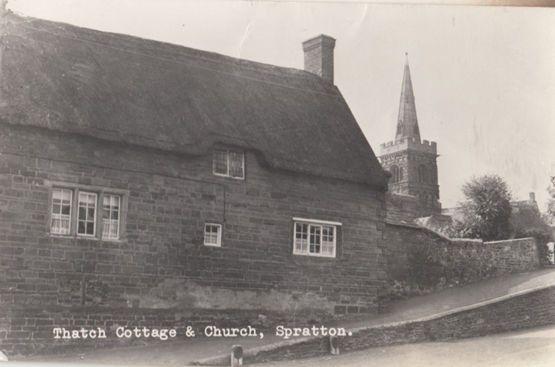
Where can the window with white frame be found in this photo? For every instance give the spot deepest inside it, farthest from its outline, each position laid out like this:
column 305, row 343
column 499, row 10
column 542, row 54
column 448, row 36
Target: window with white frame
column 76, row 212
column 110, row 216
column 228, row 163
column 212, row 234
column 60, row 221
column 86, row 221
column 315, row 237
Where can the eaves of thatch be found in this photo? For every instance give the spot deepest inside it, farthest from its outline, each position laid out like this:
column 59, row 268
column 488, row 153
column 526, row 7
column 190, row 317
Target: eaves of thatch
column 163, row 96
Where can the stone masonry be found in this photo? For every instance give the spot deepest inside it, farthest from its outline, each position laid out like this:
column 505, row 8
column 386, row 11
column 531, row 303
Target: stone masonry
column 420, row 259
column 169, row 198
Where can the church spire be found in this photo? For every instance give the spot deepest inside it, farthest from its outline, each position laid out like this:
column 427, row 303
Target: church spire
column 407, row 122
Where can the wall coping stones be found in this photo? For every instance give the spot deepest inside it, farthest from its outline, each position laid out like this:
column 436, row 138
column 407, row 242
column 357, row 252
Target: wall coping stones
column 458, row 309
column 416, row 226
column 512, row 240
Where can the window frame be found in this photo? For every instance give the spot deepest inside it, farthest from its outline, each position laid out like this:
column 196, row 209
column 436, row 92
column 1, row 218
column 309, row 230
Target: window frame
column 218, row 235
column 228, row 163
column 423, row 174
column 95, row 216
column 51, row 213
column 100, row 192
column 315, row 223
column 101, row 214
column 394, row 169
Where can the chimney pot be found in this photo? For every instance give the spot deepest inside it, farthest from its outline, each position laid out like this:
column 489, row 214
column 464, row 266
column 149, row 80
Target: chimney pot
column 532, row 197
column 318, row 56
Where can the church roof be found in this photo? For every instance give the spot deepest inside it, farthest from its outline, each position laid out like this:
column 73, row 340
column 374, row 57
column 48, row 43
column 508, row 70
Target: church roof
column 159, row 95
column 407, row 122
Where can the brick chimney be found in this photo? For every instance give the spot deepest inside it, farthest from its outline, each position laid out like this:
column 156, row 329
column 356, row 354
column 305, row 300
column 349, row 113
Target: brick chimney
column 532, row 197
column 318, row 56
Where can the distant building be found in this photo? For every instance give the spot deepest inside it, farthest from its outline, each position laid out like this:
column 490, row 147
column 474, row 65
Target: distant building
column 531, row 203
column 411, row 162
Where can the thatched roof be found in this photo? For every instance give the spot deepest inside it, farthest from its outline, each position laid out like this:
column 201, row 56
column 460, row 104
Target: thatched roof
column 164, row 96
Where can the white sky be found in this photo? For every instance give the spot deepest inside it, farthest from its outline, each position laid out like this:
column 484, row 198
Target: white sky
column 483, row 77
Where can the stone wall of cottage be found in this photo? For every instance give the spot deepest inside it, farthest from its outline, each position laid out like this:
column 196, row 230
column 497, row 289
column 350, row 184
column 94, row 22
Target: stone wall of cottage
column 29, row 330
column 420, row 260
column 161, row 262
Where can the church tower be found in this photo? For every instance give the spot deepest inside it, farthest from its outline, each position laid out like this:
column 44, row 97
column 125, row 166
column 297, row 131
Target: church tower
column 412, row 162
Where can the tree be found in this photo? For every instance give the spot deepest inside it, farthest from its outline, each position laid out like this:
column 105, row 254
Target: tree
column 486, row 211
column 551, row 203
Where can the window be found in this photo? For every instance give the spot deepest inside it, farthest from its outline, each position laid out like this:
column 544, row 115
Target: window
column 86, row 213
column 61, row 211
column 212, row 234
column 315, row 237
column 301, row 238
column 423, row 175
column 395, row 174
column 110, row 216
column 220, row 162
column 86, row 223
column 228, row 163
column 328, row 240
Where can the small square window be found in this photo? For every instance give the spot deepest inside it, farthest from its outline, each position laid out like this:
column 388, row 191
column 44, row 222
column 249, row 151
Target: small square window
column 86, row 219
column 212, row 234
column 228, row 163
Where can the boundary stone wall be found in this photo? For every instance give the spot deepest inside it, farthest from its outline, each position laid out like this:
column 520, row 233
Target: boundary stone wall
column 420, row 260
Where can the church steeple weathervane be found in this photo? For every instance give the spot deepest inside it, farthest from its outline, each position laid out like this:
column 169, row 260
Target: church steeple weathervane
column 407, row 122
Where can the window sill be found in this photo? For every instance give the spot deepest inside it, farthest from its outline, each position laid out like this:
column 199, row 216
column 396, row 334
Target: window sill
column 211, row 245
column 55, row 235
column 315, row 256
column 89, row 238
column 227, row 176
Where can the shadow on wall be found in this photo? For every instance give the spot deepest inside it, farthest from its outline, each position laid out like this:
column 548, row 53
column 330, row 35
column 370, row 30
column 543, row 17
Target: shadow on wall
column 179, row 293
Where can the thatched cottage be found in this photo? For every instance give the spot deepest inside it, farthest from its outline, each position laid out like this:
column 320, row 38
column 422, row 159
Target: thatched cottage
column 139, row 174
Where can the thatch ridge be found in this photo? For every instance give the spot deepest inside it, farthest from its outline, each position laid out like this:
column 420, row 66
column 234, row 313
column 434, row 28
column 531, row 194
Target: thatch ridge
column 160, row 95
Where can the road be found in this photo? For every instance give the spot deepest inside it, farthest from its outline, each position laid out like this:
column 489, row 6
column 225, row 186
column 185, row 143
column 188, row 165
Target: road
column 529, row 348
column 176, row 354
column 534, row 347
